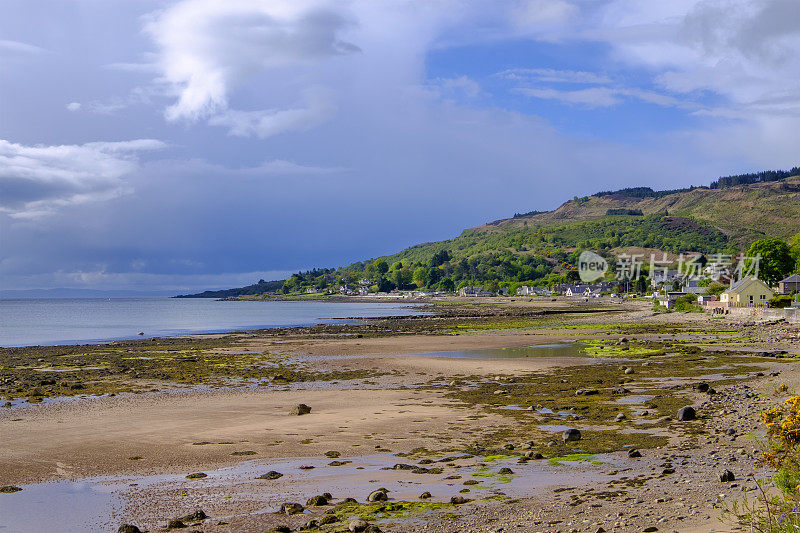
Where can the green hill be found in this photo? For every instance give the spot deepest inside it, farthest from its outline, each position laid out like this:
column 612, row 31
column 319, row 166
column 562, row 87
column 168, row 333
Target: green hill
column 541, row 248
column 745, row 213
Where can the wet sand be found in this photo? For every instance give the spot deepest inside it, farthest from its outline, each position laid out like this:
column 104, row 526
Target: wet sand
column 405, row 409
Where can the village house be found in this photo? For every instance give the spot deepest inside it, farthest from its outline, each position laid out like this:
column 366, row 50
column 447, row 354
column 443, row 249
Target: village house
column 790, row 284
column 347, row 289
column 747, row 292
column 474, row 292
column 703, row 299
column 662, row 277
column 525, row 290
column 575, row 290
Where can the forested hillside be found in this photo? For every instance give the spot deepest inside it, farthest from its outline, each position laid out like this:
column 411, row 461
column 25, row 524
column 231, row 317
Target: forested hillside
column 541, row 248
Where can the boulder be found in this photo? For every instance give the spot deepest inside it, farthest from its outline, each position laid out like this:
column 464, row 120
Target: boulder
column 300, row 409
column 377, row 496
column 571, row 435
column 272, row 474
column 425, row 495
column 633, row 453
column 458, row 500
column 291, row 508
column 505, row 471
column 196, row 516
column 197, row 475
column 175, row 524
column 8, row 489
column 357, row 525
column 128, row 528
column 317, row 501
column 702, row 387
column 687, row 413
column 727, row 476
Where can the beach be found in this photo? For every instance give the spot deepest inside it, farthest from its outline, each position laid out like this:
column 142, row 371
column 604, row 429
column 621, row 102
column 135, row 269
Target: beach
column 440, row 403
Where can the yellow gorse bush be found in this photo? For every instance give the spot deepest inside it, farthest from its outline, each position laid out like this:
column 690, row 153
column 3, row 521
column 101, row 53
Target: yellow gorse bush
column 783, row 427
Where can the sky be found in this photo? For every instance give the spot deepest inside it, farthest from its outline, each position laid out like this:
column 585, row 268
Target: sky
column 194, row 144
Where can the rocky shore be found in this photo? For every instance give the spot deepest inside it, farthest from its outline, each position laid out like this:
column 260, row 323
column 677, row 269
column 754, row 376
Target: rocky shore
column 502, row 417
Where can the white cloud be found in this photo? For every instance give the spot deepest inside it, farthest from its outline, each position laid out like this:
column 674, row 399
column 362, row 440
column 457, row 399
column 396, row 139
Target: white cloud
column 207, row 48
column 461, row 87
column 549, row 75
column 268, row 122
column 605, row 96
column 8, row 47
column 541, row 12
column 593, row 97
column 74, row 106
column 35, row 180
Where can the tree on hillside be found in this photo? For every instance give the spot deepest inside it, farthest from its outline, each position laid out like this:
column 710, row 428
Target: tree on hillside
column 380, row 266
column 447, row 285
column 776, row 260
column 794, row 250
column 420, row 276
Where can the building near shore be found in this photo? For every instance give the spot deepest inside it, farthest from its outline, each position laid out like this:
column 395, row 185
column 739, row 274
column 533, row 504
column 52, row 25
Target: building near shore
column 789, row 284
column 747, row 292
column 472, row 292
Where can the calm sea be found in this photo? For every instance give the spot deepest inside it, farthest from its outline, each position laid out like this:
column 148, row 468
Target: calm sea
column 29, row 322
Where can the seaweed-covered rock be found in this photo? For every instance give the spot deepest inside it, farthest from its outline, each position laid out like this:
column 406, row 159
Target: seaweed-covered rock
column 317, row 500
column 300, row 409
column 571, row 435
column 687, row 413
column 128, row 528
column 425, row 495
column 272, row 474
column 8, row 489
column 458, row 500
column 291, row 508
column 197, row 475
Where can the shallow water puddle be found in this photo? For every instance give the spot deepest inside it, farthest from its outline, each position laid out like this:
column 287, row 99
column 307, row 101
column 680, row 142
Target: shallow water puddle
column 568, row 349
column 634, row 399
column 100, row 503
column 64, row 506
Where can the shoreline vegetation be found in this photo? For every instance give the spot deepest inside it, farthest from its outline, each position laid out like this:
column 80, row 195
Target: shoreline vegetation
column 461, row 402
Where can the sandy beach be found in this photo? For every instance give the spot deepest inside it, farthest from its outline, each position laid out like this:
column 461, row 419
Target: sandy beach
column 434, row 412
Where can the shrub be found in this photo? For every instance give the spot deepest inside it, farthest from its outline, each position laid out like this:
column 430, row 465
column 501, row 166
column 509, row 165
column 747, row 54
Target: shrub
column 780, row 301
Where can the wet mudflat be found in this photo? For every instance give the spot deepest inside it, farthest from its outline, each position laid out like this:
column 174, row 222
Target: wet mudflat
column 483, row 426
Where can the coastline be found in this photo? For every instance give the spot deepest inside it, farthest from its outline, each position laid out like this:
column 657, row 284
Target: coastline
column 372, row 385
